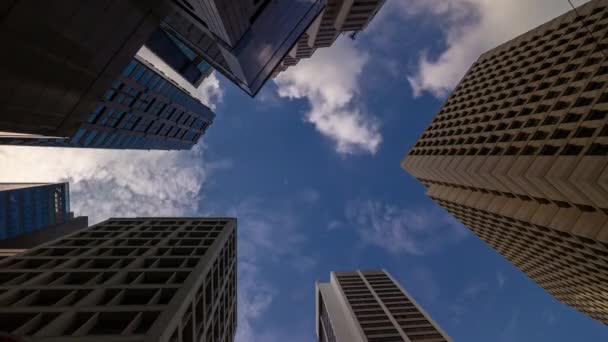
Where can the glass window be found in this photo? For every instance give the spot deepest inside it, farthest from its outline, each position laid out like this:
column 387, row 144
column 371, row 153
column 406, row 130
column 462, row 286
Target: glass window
column 96, row 113
column 78, row 135
column 101, row 138
column 89, row 138
column 110, row 139
column 160, row 86
column 109, row 95
column 127, row 71
column 148, row 74
column 116, row 84
column 154, row 81
column 139, row 73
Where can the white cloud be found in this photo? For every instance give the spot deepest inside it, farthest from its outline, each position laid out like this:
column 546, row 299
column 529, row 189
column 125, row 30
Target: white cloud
column 471, row 27
column 329, row 80
column 209, row 92
column 402, row 230
column 115, row 183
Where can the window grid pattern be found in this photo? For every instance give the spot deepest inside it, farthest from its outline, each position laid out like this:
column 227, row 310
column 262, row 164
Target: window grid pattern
column 25, row 209
column 396, row 316
column 525, row 136
column 572, row 268
column 147, row 279
column 142, row 110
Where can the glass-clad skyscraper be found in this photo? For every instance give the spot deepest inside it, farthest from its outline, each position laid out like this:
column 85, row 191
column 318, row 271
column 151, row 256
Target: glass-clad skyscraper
column 245, row 41
column 142, row 109
column 28, row 207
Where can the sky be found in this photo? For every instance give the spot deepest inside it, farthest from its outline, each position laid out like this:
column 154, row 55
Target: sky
column 310, row 168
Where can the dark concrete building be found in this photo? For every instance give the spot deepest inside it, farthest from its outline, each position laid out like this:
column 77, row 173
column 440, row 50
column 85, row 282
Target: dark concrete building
column 370, row 306
column 135, row 279
column 244, row 40
column 519, row 154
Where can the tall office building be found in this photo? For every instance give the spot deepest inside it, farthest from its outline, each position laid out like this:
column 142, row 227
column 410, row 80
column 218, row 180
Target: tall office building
column 339, row 16
column 519, row 154
column 370, row 306
column 62, row 83
column 244, row 40
column 142, row 109
column 34, row 213
column 138, row 279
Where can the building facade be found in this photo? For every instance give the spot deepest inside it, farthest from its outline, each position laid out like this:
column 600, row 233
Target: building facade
column 142, row 109
column 339, row 16
column 519, row 154
column 370, row 306
column 136, row 279
column 30, row 207
column 244, row 40
column 67, row 85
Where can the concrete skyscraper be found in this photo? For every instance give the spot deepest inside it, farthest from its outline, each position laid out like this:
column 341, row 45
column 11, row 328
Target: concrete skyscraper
column 370, row 306
column 33, row 213
column 135, row 279
column 519, row 154
column 339, row 16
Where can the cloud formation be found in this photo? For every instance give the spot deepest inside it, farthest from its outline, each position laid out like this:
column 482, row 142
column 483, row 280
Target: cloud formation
column 403, row 230
column 329, row 81
column 115, row 183
column 471, row 27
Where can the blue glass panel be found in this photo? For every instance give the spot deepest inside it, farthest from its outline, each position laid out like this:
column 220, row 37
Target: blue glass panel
column 109, row 95
column 78, row 135
column 99, row 140
column 154, row 81
column 138, row 73
column 89, row 138
column 160, row 86
column 3, row 215
column 111, row 139
column 95, row 113
column 116, row 84
column 146, row 77
column 127, row 71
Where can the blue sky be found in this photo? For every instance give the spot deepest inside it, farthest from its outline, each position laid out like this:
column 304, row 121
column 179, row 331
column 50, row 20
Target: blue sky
column 311, row 169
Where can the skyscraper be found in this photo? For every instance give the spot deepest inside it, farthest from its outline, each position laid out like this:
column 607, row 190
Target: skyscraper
column 142, row 109
column 33, row 213
column 244, row 40
column 370, row 306
column 339, row 16
column 62, row 83
column 518, row 153
column 137, row 279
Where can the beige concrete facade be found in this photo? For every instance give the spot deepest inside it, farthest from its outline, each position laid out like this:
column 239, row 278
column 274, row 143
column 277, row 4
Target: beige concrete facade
column 370, row 306
column 519, row 154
